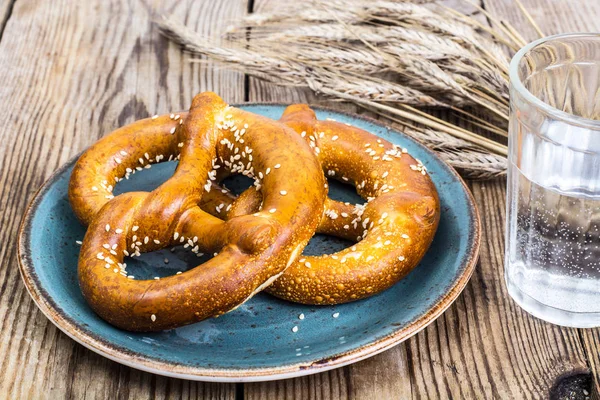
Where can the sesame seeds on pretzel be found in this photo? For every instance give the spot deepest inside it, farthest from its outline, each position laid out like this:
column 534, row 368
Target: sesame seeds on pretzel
column 252, row 250
column 393, row 229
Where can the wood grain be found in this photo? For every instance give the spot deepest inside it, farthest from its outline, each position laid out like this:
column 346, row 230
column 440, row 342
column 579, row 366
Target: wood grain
column 73, row 71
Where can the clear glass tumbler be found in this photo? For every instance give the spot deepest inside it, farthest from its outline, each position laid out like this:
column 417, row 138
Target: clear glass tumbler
column 552, row 263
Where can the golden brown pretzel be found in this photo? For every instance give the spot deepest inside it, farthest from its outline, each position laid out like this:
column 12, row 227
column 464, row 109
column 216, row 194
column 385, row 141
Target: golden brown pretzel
column 394, row 228
column 253, row 249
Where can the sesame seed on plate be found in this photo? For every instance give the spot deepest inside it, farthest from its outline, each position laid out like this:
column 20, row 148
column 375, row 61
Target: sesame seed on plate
column 336, row 314
column 295, row 329
column 301, row 316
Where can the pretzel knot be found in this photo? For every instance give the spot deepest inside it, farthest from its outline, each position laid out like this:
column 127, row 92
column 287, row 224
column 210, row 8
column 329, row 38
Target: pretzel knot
column 251, row 250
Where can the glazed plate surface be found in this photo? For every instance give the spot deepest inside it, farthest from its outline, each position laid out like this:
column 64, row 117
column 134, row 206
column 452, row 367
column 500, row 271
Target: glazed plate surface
column 255, row 342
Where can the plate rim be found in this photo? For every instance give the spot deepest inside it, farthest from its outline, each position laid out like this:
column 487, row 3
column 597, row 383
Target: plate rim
column 124, row 356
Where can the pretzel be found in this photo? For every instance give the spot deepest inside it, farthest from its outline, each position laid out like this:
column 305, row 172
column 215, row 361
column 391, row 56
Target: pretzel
column 393, row 229
column 250, row 250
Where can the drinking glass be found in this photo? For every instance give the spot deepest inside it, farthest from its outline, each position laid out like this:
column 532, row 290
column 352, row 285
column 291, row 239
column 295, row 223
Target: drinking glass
column 552, row 261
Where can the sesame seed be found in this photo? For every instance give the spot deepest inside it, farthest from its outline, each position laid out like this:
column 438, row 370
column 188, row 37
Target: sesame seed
column 401, row 258
column 295, row 329
column 146, row 240
column 277, row 166
column 172, row 131
column 153, row 317
column 272, row 210
column 107, row 227
column 135, row 228
column 283, row 192
column 156, row 241
column 334, row 138
column 301, row 316
column 404, row 236
column 178, row 272
column 155, row 116
column 176, row 235
column 119, row 230
column 387, row 242
column 79, row 242
column 335, row 315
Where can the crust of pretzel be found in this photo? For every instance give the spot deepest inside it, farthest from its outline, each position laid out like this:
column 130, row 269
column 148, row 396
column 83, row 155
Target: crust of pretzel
column 394, row 230
column 253, row 250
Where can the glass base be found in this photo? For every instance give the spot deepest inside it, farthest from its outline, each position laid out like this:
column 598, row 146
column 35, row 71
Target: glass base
column 551, row 314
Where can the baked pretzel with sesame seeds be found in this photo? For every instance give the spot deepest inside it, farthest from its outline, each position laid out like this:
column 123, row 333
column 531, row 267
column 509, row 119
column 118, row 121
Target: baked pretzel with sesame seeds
column 393, row 229
column 253, row 250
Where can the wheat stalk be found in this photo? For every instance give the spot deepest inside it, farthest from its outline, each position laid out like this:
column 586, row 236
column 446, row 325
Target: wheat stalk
column 388, row 56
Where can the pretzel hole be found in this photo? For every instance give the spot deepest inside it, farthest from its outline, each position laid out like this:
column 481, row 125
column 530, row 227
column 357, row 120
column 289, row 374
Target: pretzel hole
column 237, row 183
column 344, row 192
column 321, row 244
column 163, row 263
column 147, row 179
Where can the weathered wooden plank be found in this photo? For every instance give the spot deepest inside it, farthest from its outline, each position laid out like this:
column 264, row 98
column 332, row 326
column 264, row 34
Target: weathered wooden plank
column 71, row 72
column 5, row 11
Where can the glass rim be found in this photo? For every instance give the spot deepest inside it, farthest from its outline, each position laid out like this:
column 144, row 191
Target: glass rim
column 518, row 85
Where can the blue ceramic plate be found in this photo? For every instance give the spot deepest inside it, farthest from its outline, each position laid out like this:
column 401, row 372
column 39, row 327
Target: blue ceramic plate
column 254, row 342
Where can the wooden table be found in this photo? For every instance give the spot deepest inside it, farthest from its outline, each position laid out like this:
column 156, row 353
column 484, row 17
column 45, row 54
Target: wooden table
column 72, row 71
